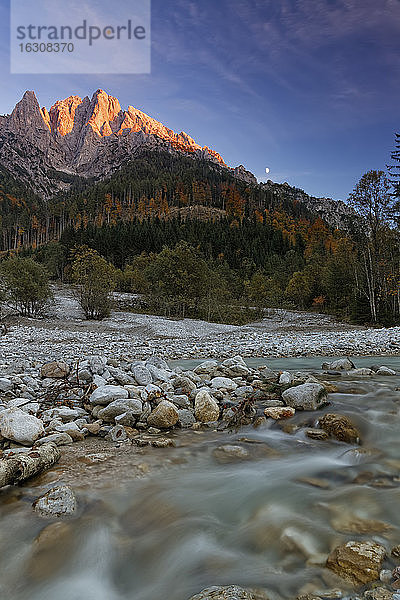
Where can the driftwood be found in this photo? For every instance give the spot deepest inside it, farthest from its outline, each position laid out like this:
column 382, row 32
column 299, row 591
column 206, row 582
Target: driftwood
column 21, row 466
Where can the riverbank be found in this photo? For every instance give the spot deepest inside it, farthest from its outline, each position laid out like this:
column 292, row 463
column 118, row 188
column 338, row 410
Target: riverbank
column 164, row 511
column 64, row 334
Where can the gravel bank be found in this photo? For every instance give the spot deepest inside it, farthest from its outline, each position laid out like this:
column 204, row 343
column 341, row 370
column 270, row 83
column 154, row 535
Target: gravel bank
column 65, row 335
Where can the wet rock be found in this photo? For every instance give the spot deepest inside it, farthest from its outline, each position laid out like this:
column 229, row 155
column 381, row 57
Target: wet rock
column 119, row 407
column 58, row 502
column 230, row 592
column 20, row 427
column 164, row 415
column 357, row 562
column 395, row 551
column 342, row 364
column 230, row 453
column 49, row 550
column 308, row 396
column 340, row 427
column 55, row 370
column 142, row 375
column 316, row 434
column 364, row 372
column 385, row 576
column 385, row 371
column 205, row 407
column 278, row 412
column 106, row 394
column 379, row 593
column 344, row 523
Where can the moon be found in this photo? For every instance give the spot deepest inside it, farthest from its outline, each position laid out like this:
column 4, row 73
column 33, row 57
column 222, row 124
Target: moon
column 267, row 170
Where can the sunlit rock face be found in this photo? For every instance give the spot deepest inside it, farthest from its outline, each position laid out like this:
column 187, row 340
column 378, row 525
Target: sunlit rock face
column 83, row 137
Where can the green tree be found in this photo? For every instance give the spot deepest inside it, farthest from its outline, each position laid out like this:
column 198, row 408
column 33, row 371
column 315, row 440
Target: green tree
column 373, row 201
column 299, row 289
column 26, row 285
column 94, row 278
column 179, row 277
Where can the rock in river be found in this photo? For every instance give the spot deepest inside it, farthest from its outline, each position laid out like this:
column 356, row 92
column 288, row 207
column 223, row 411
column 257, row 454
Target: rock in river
column 357, row 562
column 229, row 592
column 279, row 412
column 308, row 396
column 58, row 502
column 340, row 427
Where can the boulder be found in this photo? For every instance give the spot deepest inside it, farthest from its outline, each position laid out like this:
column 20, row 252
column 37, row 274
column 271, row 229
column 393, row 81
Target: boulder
column 308, row 396
column 106, row 394
column 342, row 364
column 357, row 562
column 159, row 374
column 32, row 408
column 279, row 412
column 55, row 369
column 235, row 367
column 207, row 367
column 385, row 371
column 229, row 592
column 142, row 374
column 119, row 407
column 164, row 415
column 340, row 427
column 58, row 502
column 363, row 372
column 206, row 408
column 223, row 383
column 20, row 427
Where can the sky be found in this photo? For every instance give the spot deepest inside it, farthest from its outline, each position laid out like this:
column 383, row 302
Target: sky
column 308, row 88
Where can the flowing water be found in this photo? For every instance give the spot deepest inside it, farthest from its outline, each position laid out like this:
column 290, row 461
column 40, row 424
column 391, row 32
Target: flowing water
column 266, row 521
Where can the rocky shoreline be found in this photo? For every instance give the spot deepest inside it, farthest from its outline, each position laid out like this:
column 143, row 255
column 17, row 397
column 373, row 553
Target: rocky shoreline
column 65, row 335
column 140, row 403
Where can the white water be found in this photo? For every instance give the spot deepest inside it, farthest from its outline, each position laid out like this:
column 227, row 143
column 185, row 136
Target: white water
column 255, row 523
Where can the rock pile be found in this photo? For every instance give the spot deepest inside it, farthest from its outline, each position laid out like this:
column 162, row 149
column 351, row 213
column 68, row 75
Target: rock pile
column 121, row 400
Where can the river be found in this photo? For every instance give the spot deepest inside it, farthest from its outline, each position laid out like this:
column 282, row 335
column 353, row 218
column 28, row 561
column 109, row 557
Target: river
column 267, row 521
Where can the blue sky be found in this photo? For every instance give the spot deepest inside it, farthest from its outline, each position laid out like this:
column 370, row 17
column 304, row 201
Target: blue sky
column 308, row 88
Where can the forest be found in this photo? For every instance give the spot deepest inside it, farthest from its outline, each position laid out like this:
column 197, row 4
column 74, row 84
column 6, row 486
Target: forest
column 191, row 240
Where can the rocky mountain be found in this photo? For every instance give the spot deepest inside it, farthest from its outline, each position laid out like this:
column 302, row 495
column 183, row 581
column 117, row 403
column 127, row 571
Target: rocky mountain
column 79, row 143
column 82, row 138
